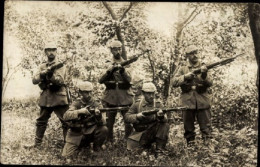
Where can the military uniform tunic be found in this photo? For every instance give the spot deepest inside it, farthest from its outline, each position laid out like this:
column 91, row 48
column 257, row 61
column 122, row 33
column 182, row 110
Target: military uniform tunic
column 94, row 130
column 48, row 97
column 117, row 94
column 194, row 96
column 53, row 98
column 149, row 129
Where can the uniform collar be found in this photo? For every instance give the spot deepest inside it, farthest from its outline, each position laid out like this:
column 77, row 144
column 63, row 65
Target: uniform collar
column 51, row 63
column 117, row 61
column 194, row 65
column 145, row 103
column 86, row 102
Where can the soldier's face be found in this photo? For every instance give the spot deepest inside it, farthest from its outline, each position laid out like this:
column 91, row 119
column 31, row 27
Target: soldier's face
column 116, row 51
column 193, row 57
column 149, row 96
column 51, row 53
column 86, row 95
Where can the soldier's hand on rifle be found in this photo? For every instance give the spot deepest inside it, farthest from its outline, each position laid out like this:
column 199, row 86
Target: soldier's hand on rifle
column 118, row 67
column 43, row 73
column 83, row 111
column 160, row 114
column 122, row 70
column 97, row 113
column 204, row 71
column 140, row 116
column 189, row 76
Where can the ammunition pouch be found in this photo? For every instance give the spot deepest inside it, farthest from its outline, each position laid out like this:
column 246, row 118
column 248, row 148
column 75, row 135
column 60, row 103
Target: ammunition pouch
column 120, row 85
column 140, row 127
column 54, row 87
column 185, row 88
column 201, row 89
column 42, row 85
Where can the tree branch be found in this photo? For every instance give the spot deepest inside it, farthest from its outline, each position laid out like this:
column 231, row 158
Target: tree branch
column 192, row 19
column 124, row 14
column 6, row 75
column 118, row 30
column 111, row 12
column 7, row 81
column 152, row 66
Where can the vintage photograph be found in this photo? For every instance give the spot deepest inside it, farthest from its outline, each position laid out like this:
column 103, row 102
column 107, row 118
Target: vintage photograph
column 102, row 83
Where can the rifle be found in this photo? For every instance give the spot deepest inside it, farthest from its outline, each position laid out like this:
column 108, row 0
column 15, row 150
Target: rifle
column 83, row 119
column 133, row 59
column 219, row 63
column 154, row 111
column 44, row 84
column 92, row 111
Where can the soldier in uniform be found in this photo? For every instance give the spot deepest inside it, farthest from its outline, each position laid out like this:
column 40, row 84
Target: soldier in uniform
column 53, row 96
column 91, row 129
column 147, row 129
column 117, row 94
column 194, row 95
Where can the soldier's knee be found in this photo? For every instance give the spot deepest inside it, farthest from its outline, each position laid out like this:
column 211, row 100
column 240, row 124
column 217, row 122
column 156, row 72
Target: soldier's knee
column 103, row 130
column 42, row 123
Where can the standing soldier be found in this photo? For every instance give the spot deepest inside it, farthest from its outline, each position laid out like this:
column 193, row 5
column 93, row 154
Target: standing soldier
column 90, row 129
column 151, row 128
column 194, row 95
column 117, row 94
column 50, row 79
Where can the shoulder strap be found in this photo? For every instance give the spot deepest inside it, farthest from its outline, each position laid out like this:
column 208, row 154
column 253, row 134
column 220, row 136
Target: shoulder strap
column 140, row 103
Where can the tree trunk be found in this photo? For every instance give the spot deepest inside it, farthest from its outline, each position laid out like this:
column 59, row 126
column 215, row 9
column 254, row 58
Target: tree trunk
column 176, row 56
column 254, row 23
column 118, row 29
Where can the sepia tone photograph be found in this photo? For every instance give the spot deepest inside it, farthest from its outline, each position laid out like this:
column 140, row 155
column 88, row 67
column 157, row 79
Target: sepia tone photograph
column 110, row 83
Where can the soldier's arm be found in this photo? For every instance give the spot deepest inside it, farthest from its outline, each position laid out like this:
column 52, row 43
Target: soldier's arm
column 36, row 77
column 73, row 111
column 125, row 75
column 207, row 82
column 130, row 116
column 105, row 76
column 160, row 118
column 58, row 76
column 178, row 78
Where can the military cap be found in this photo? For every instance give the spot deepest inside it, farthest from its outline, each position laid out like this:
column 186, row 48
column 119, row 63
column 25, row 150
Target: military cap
column 50, row 45
column 115, row 44
column 190, row 49
column 85, row 86
column 148, row 87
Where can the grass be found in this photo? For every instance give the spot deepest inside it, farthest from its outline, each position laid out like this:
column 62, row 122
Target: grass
column 228, row 148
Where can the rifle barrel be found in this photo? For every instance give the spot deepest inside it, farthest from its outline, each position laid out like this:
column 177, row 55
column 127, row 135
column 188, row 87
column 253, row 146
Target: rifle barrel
column 222, row 62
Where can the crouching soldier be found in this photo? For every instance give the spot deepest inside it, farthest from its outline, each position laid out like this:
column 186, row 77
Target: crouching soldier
column 84, row 131
column 150, row 128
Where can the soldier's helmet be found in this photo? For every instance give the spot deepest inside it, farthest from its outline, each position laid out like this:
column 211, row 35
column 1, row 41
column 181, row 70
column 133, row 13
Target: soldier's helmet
column 148, row 87
column 115, row 44
column 50, row 45
column 85, row 86
column 190, row 49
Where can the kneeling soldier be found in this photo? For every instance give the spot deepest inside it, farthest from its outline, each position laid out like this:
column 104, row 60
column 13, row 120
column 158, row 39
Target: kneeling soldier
column 151, row 128
column 83, row 131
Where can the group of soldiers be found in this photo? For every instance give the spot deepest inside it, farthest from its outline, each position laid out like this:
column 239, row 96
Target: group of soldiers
column 140, row 130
